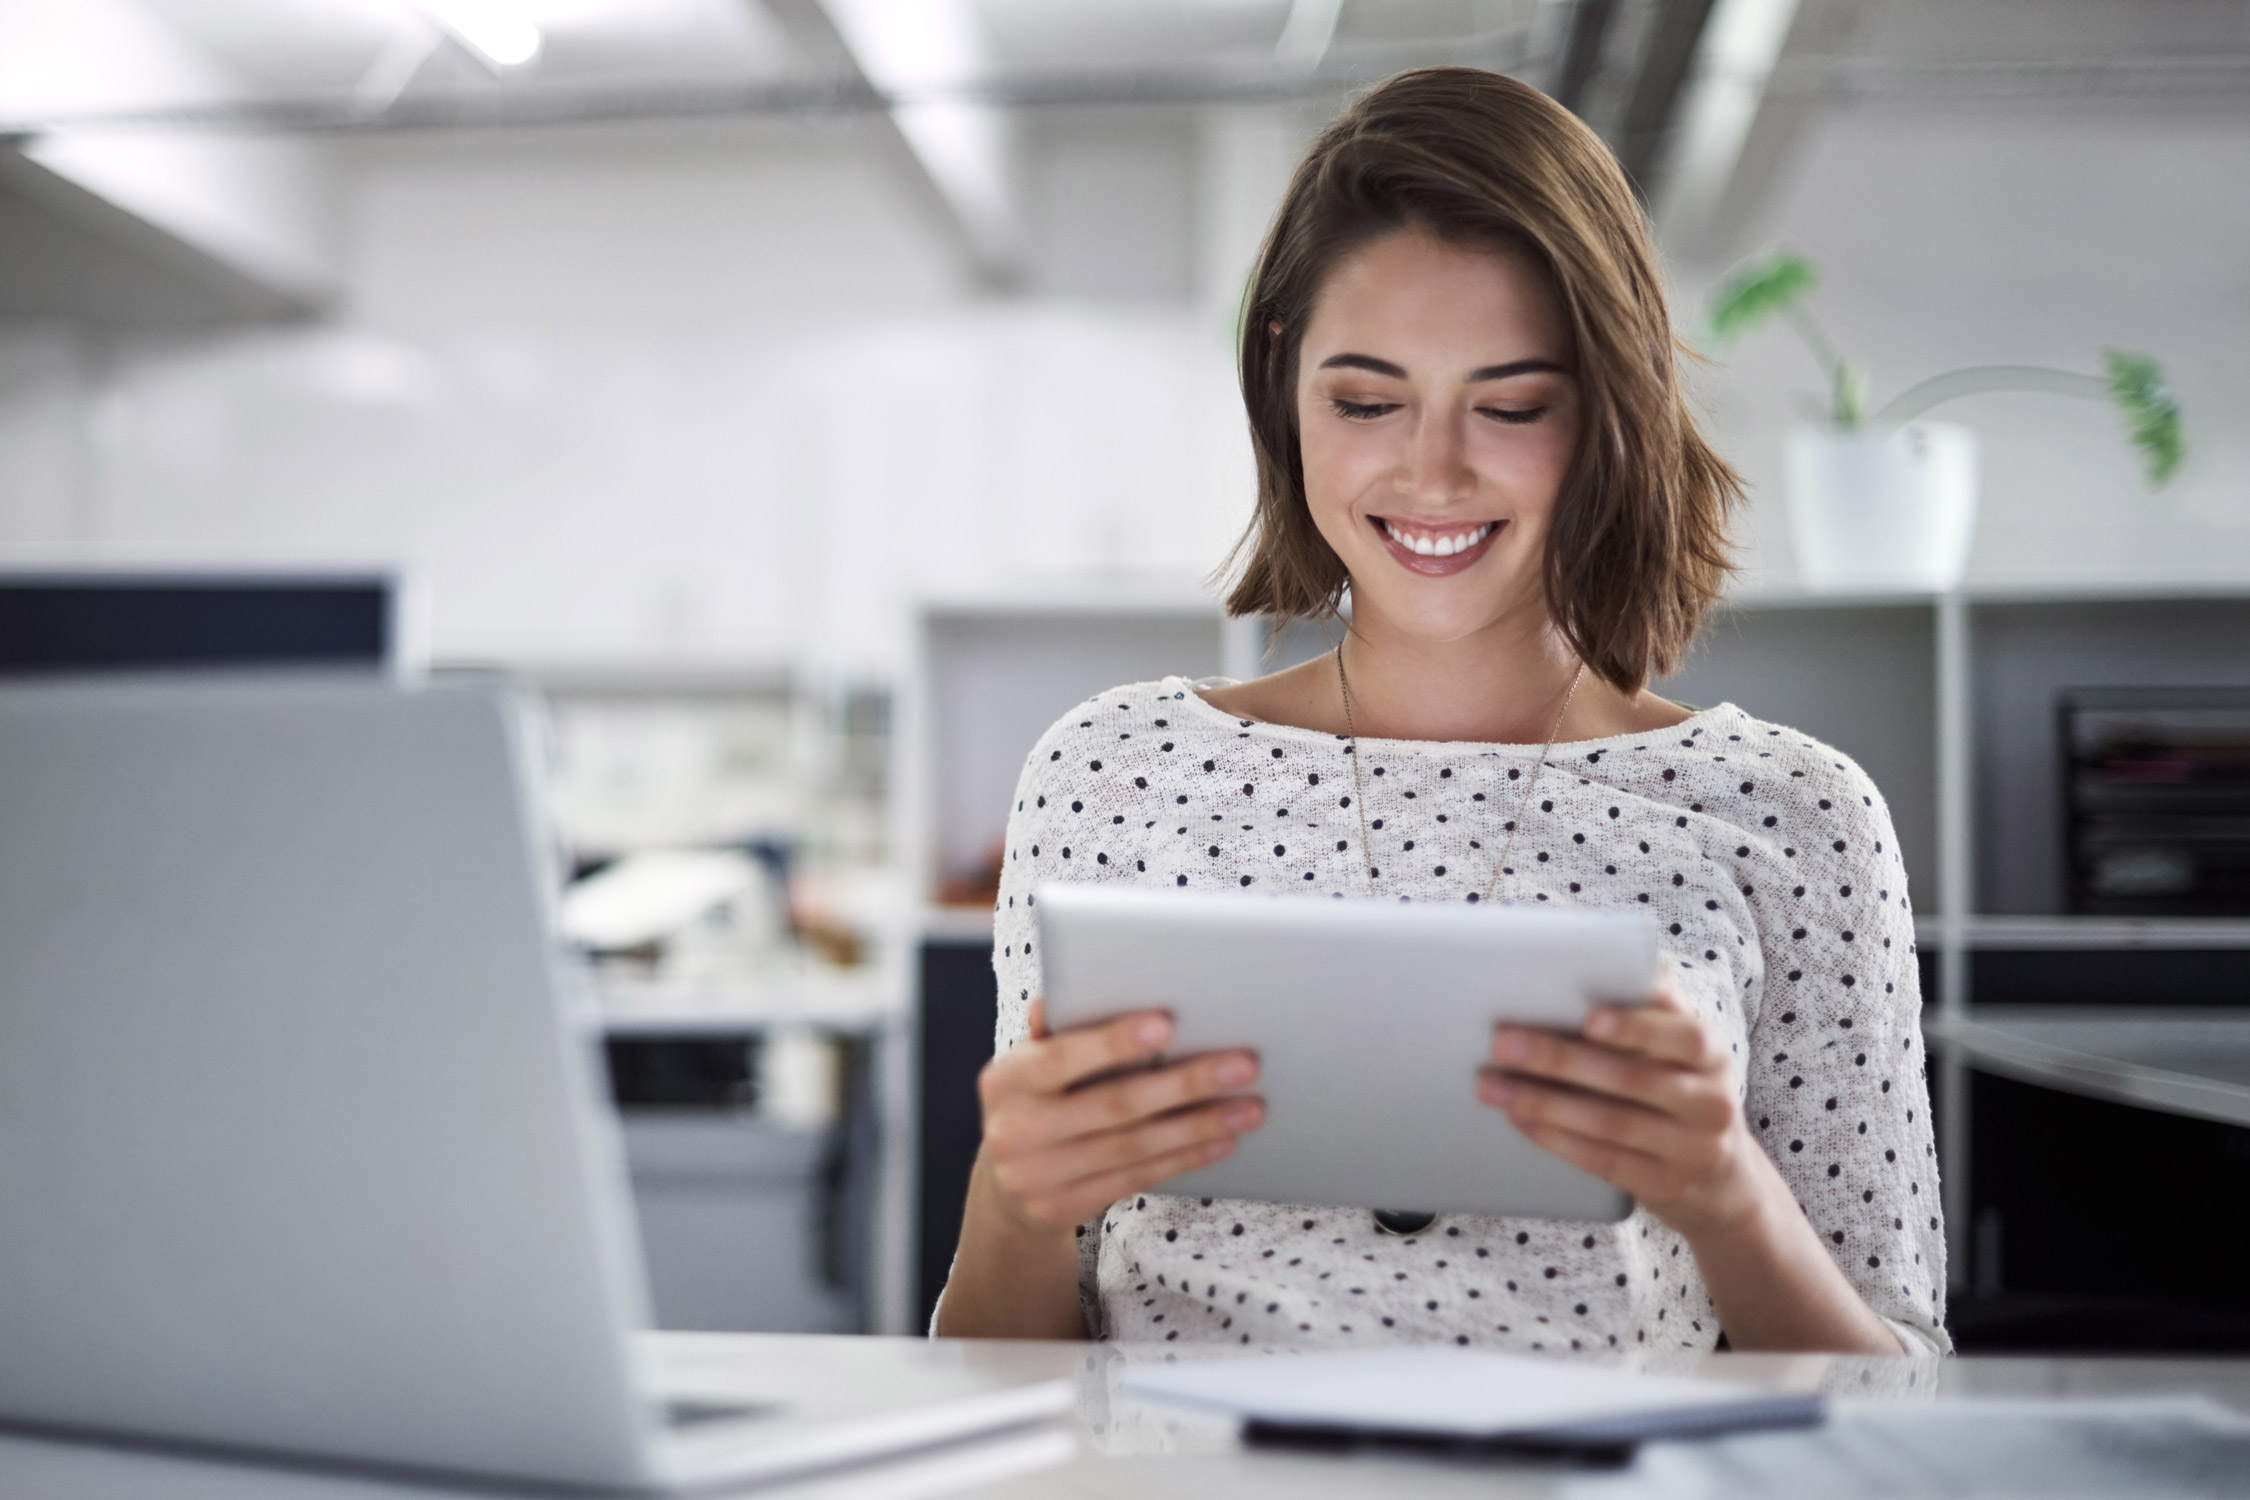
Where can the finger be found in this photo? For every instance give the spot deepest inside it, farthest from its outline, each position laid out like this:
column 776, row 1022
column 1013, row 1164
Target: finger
column 1038, row 1018
column 1584, row 1065
column 1068, row 1057
column 1058, row 1167
column 1531, row 1105
column 1090, row 1195
column 1658, row 1032
column 1123, row 1102
column 1667, row 993
column 1621, row 1167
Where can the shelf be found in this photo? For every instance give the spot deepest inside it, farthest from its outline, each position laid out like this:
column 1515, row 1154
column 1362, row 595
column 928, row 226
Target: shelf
column 2103, row 932
column 1079, row 595
column 2201, row 934
column 957, row 924
column 2193, row 1065
column 2089, row 592
column 839, row 1002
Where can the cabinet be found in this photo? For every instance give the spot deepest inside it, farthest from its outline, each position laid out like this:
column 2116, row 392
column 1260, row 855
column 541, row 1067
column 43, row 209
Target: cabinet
column 2122, row 1030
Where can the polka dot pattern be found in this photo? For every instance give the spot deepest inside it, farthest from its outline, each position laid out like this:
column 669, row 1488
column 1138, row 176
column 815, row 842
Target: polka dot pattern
column 1769, row 864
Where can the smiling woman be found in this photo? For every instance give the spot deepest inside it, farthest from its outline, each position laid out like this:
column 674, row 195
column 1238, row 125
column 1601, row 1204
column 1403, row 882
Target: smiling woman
column 1460, row 376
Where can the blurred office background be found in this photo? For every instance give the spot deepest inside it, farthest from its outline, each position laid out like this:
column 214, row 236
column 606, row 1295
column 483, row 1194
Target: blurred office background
column 808, row 400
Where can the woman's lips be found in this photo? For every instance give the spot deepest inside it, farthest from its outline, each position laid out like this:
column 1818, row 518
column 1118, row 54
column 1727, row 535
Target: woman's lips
column 1472, row 543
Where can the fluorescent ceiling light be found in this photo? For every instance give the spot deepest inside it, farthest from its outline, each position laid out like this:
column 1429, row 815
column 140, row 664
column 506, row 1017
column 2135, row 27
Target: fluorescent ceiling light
column 500, row 31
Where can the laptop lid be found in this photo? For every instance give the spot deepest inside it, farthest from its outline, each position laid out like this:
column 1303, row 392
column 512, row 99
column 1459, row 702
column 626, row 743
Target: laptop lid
column 296, row 1151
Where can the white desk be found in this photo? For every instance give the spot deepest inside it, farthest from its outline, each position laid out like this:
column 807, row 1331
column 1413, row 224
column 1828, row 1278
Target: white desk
column 2193, row 1063
column 1119, row 1450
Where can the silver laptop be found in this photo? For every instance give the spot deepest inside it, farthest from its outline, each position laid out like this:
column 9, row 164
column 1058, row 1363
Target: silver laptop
column 301, row 1145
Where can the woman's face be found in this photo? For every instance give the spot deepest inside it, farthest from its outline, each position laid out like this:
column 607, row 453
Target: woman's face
column 1438, row 415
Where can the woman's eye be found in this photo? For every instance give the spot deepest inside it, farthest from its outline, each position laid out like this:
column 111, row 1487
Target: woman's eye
column 1362, row 411
column 1514, row 418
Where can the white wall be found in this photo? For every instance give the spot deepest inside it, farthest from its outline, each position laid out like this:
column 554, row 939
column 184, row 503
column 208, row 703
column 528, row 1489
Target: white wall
column 2036, row 232
column 720, row 391
column 40, row 380
column 725, row 391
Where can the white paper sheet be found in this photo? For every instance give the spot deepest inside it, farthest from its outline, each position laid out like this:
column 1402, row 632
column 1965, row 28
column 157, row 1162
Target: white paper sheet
column 1450, row 1392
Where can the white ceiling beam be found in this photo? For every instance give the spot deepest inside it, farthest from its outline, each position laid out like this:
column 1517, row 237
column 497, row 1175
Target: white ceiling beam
column 959, row 150
column 248, row 219
column 1736, row 134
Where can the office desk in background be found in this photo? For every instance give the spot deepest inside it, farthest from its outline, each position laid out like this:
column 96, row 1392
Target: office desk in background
column 1117, row 1449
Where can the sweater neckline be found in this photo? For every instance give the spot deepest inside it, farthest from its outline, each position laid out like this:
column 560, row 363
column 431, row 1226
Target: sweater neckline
column 1701, row 721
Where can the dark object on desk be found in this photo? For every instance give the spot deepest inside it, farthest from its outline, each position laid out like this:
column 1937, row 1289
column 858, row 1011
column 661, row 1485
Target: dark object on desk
column 2101, row 1228
column 1606, row 1443
column 2156, row 793
column 63, row 622
column 1534, row 1450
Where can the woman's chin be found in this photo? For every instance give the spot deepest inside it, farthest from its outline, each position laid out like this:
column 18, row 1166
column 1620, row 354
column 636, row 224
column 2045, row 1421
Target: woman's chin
column 1436, row 621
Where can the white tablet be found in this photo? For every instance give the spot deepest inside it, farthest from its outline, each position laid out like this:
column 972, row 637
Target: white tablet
column 1370, row 1020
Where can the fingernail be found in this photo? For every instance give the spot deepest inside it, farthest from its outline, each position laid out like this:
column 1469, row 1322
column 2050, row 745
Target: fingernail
column 1242, row 1117
column 1498, row 1089
column 1602, row 1025
column 1218, row 1148
column 1234, row 1072
column 1511, row 1046
column 1154, row 1031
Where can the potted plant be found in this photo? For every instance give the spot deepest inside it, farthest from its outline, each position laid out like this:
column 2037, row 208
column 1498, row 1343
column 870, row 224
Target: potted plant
column 1882, row 499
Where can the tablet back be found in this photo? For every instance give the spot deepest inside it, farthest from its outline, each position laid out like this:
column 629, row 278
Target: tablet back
column 1370, row 1019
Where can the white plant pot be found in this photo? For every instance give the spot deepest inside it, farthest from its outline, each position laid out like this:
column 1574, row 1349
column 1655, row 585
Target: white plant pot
column 1882, row 508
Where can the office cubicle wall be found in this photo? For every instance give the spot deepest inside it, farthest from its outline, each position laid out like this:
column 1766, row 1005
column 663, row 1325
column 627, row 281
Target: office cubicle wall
column 991, row 679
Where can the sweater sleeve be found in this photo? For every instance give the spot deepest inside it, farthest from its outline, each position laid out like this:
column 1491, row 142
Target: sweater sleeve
column 1837, row 1089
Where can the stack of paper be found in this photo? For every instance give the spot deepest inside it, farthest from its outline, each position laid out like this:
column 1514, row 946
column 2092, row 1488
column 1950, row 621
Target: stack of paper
column 1461, row 1397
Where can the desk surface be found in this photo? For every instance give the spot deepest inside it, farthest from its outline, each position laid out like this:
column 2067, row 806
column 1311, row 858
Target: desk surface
column 1118, row 1449
column 2193, row 1063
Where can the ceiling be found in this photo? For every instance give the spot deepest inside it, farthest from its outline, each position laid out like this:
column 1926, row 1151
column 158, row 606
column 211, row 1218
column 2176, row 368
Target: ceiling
column 312, row 47
column 372, row 63
column 345, row 52
column 1704, row 130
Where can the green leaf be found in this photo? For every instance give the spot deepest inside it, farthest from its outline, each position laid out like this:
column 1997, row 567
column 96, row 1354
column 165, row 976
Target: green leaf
column 2150, row 410
column 1758, row 290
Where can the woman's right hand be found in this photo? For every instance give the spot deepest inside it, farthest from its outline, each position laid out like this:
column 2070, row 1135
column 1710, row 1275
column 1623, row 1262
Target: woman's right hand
column 1058, row 1150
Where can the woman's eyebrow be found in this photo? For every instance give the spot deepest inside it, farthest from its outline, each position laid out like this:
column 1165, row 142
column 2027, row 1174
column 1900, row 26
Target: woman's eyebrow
column 1363, row 362
column 1517, row 367
column 1397, row 372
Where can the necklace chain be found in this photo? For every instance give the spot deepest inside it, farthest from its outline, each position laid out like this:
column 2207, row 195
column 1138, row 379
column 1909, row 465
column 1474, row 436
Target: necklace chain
column 1515, row 825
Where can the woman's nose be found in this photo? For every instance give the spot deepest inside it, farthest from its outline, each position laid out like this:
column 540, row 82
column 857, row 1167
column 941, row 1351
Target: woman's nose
column 1436, row 471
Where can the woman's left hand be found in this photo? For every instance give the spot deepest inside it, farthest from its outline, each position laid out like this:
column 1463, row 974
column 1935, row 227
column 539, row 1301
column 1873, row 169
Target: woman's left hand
column 1643, row 1098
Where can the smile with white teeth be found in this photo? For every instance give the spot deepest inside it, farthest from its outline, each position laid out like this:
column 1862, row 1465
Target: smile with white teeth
column 1430, row 544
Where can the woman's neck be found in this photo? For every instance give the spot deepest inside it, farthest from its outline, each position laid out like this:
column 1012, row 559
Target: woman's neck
column 1503, row 685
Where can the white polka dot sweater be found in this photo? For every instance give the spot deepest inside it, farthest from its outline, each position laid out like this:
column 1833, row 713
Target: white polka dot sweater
column 1770, row 867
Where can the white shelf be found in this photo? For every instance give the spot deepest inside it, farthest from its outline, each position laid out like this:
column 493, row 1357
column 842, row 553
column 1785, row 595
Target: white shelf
column 956, row 924
column 2107, row 932
column 845, row 1001
column 1999, row 592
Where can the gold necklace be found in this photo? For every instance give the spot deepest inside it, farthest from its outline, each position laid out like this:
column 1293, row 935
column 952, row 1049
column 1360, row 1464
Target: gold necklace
column 1359, row 787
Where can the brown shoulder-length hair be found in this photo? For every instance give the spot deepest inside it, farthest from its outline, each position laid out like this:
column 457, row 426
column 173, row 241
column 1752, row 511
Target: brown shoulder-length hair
column 1638, row 548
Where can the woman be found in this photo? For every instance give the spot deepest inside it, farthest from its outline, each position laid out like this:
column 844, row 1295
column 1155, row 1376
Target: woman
column 1460, row 378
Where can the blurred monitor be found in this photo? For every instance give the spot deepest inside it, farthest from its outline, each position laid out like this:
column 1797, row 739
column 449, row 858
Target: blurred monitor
column 88, row 622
